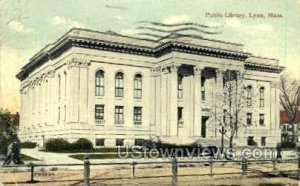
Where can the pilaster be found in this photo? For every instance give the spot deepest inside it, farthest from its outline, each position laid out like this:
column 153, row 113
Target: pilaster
column 163, row 101
column 77, row 81
column 173, row 105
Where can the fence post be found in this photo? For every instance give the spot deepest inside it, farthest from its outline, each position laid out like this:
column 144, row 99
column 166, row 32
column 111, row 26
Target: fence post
column 86, row 173
column 31, row 165
column 244, row 166
column 174, row 171
column 133, row 169
column 211, row 167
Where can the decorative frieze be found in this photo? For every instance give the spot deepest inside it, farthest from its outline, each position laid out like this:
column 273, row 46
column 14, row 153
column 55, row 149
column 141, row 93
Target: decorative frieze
column 79, row 63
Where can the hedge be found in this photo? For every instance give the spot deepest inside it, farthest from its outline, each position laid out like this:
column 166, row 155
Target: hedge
column 62, row 145
column 28, row 145
column 57, row 145
column 82, row 144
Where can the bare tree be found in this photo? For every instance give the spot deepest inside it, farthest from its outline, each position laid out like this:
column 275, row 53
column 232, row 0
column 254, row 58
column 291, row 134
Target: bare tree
column 290, row 99
column 231, row 99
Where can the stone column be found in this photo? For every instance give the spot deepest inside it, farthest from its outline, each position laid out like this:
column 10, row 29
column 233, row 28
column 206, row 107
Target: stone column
column 158, row 96
column 197, row 101
column 218, row 95
column 152, row 126
column 172, row 103
column 163, row 101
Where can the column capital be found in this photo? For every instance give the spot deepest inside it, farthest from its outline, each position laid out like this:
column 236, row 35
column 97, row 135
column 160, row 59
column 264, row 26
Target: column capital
column 155, row 71
column 220, row 70
column 198, row 70
column 174, row 67
column 51, row 74
column 165, row 70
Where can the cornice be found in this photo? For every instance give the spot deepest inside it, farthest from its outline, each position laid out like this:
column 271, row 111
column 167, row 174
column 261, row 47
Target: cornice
column 160, row 50
column 263, row 68
column 156, row 52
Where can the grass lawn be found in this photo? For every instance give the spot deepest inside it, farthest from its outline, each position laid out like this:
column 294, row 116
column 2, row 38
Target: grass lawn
column 109, row 156
column 100, row 150
column 27, row 158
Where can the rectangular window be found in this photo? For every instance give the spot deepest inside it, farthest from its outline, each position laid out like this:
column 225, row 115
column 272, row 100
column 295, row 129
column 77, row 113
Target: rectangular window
column 180, row 88
column 119, row 142
column 250, row 141
column 99, row 112
column 262, row 97
column 100, row 142
column 263, row 141
column 139, row 142
column 249, row 119
column 180, row 115
column 203, row 88
column 137, row 115
column 261, row 119
column 119, row 114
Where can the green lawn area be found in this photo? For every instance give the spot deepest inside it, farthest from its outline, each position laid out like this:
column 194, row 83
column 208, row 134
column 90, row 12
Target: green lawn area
column 109, row 156
column 101, row 150
column 27, row 158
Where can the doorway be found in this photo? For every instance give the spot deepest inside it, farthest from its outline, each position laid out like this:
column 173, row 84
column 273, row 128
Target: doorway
column 203, row 126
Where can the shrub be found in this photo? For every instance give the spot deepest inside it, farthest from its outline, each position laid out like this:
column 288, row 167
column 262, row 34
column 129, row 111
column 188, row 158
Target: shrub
column 288, row 145
column 57, row 145
column 82, row 144
column 28, row 145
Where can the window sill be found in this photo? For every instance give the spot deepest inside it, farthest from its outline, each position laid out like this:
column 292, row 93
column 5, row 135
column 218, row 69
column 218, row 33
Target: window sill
column 99, row 97
column 138, row 123
column 119, row 123
column 119, row 98
column 99, row 122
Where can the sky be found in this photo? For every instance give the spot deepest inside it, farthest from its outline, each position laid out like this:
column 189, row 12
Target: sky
column 28, row 25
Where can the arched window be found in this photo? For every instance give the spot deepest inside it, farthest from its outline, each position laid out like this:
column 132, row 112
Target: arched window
column 262, row 97
column 119, row 87
column 180, row 87
column 100, row 83
column 249, row 95
column 138, row 86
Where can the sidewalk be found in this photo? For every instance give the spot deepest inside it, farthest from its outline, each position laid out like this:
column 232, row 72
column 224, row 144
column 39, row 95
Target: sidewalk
column 50, row 157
